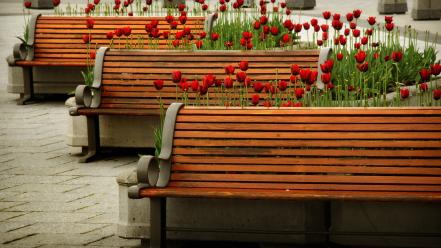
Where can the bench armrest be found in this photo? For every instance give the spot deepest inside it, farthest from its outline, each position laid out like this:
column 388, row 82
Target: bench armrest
column 147, row 173
column 209, row 21
column 25, row 49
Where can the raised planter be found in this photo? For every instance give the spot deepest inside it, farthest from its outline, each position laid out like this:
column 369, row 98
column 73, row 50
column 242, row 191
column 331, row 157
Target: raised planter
column 392, row 6
column 41, row 4
column 426, row 10
column 300, row 4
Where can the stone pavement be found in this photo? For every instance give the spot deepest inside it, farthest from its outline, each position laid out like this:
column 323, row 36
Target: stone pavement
column 47, row 199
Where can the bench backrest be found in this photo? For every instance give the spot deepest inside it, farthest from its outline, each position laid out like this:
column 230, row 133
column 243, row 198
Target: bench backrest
column 59, row 38
column 372, row 152
column 127, row 76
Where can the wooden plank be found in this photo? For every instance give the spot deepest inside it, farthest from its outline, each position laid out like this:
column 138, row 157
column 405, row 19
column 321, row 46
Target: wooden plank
column 309, row 135
column 291, row 194
column 306, row 169
column 306, row 161
column 326, row 178
column 280, row 151
column 402, row 144
column 305, row 186
column 305, row 127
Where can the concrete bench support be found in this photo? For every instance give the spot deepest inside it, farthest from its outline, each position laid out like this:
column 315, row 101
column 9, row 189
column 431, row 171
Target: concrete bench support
column 392, row 6
column 426, row 10
column 41, row 4
column 300, row 4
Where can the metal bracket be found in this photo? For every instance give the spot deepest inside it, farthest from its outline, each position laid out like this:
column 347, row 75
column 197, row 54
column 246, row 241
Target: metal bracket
column 324, row 55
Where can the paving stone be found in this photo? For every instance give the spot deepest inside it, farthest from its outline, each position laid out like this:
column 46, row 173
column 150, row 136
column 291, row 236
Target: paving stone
column 5, row 205
column 44, row 196
column 107, row 218
column 8, row 238
column 118, row 242
column 60, row 228
column 45, row 188
column 10, row 215
column 50, row 206
column 37, row 179
column 55, row 217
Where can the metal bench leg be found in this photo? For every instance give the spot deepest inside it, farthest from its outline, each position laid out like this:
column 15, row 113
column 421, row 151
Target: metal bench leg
column 157, row 223
column 93, row 139
column 28, row 95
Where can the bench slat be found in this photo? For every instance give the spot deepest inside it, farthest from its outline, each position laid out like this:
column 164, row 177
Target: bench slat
column 291, row 194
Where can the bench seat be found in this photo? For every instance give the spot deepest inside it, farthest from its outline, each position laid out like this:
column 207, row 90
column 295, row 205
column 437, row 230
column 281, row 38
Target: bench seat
column 56, row 41
column 308, row 154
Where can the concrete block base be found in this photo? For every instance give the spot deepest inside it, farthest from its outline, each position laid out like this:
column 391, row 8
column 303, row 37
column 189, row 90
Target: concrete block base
column 392, row 6
column 42, row 4
column 47, row 80
column 300, row 4
column 426, row 10
column 115, row 131
column 173, row 3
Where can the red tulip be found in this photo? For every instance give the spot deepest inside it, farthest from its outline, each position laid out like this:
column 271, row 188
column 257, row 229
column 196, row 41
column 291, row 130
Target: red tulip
column 298, row 27
column 159, row 84
column 255, row 99
column 258, row 87
column 229, row 70
column 182, row 19
column 175, row 43
column 299, row 92
column 336, row 16
column 435, row 69
column 288, row 12
column 295, row 69
column 243, row 65
column 397, row 56
column 376, row 55
column 324, row 27
column 306, row 26
column 28, row 4
column 326, row 78
column 282, row 5
column 326, row 15
column 314, row 22
column 241, row 76
column 247, row 35
column 329, row 86
column 425, row 74
column 203, row 89
column 436, row 94
column 298, row 104
column 327, row 66
column 267, row 103
column 350, row 16
column 202, row 35
column 287, row 23
column 56, row 3
column 319, row 42
column 169, row 19
column 269, row 88
column 228, row 44
column 287, row 104
column 256, row 25
column 228, row 83
column 127, row 31
column 194, row 85
column 222, row 8
column 181, row 7
column 263, row 20
column 424, row 87
column 266, row 29
column 364, row 40
column 204, row 7
column 96, row 2
column 325, row 36
column 174, row 25
column 198, row 44
column 176, row 76
column 363, row 67
column 389, row 26
column 274, row 30
column 369, row 31
column 87, row 38
column 337, row 25
column 360, row 56
column 214, row 36
column 89, row 23
column 316, row 28
column 404, row 93
column 342, row 39
column 357, row 13
column 109, row 35
column 92, row 55
column 388, row 19
column 282, row 85
column 356, row 33
column 313, row 77
column 347, row 31
column 165, row 34
column 371, row 20
column 208, row 80
column 286, row 38
column 339, row 56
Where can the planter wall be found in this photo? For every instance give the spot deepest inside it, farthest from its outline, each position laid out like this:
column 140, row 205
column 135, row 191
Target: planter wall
column 392, row 6
column 426, row 10
column 300, row 4
column 172, row 4
column 115, row 131
column 47, row 80
column 42, row 4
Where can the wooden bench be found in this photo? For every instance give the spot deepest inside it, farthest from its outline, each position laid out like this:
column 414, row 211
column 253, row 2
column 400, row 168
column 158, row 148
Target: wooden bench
column 56, row 41
column 124, row 79
column 368, row 154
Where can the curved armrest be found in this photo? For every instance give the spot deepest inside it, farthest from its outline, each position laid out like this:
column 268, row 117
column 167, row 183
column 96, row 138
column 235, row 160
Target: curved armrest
column 147, row 174
column 208, row 25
